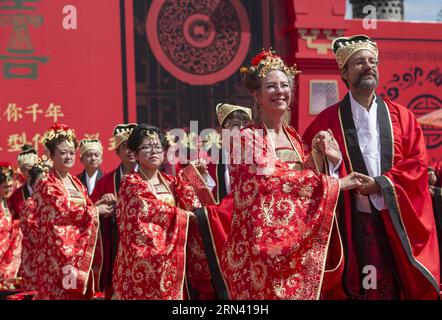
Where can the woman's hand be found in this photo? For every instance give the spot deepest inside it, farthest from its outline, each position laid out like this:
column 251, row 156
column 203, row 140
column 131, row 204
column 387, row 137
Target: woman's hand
column 318, row 141
column 325, row 143
column 432, row 190
column 201, row 166
column 331, row 148
column 105, row 210
column 191, row 214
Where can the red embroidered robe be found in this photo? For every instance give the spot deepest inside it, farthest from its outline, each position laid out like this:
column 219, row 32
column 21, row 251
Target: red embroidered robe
column 67, row 241
column 29, row 227
column 281, row 223
column 10, row 246
column 18, row 198
column 152, row 255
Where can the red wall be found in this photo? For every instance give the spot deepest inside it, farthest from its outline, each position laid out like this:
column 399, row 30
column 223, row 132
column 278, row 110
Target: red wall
column 83, row 74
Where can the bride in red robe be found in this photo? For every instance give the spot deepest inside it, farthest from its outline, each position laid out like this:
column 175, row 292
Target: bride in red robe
column 10, row 234
column 68, row 223
column 283, row 207
column 158, row 242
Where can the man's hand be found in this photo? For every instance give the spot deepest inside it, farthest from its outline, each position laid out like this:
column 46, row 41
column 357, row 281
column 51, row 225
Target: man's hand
column 368, row 186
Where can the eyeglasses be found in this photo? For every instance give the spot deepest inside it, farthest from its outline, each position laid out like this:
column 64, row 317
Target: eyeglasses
column 150, row 149
column 238, row 124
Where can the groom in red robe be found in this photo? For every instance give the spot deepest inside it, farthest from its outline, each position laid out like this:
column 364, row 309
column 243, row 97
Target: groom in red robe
column 109, row 186
column 386, row 247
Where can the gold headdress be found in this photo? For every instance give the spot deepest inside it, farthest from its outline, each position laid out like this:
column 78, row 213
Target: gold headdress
column 90, row 144
column 44, row 164
column 28, row 155
column 344, row 47
column 151, row 134
column 6, row 172
column 57, row 130
column 224, row 109
column 122, row 133
column 267, row 61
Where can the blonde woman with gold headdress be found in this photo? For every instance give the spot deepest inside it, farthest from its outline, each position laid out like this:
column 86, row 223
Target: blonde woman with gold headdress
column 283, row 207
column 68, row 224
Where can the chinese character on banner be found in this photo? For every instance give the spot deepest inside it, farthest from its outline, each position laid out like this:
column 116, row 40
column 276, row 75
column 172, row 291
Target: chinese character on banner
column 34, row 110
column 54, row 112
column 37, row 140
column 16, row 141
column 112, row 144
column 19, row 60
column 17, row 4
column 13, row 113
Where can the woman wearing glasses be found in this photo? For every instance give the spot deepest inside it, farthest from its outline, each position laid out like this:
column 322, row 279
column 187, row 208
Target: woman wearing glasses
column 153, row 216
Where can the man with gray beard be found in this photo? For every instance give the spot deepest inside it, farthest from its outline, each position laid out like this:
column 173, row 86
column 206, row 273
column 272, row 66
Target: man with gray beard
column 384, row 245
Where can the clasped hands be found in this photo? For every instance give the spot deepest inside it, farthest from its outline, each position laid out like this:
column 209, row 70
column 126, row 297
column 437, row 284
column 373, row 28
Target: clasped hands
column 106, row 205
column 325, row 143
column 363, row 184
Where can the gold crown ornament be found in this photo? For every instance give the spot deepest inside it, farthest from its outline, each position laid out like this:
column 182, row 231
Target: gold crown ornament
column 150, row 134
column 122, row 133
column 28, row 155
column 345, row 47
column 57, row 130
column 44, row 164
column 266, row 61
column 90, row 144
column 224, row 109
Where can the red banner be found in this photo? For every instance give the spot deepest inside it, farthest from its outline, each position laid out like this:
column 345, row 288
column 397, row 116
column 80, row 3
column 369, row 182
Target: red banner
column 61, row 61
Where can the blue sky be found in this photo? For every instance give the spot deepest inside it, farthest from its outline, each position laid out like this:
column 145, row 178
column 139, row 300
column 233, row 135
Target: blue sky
column 417, row 10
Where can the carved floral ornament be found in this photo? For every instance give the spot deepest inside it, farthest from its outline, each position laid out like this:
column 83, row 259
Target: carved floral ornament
column 322, row 46
column 215, row 36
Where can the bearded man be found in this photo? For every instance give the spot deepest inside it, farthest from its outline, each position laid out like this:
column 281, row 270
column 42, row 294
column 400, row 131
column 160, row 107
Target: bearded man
column 386, row 247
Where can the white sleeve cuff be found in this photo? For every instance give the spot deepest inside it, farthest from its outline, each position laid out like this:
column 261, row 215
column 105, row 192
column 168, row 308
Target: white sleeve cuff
column 210, row 182
column 378, row 200
column 332, row 170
